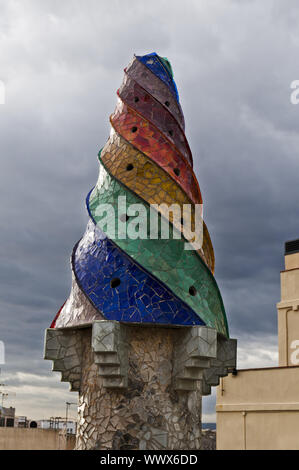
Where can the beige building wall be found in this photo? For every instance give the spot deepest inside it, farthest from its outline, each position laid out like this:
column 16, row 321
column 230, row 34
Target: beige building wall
column 288, row 312
column 34, row 439
column 259, row 408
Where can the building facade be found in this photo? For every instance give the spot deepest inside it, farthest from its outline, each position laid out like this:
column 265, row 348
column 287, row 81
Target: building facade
column 259, row 408
column 7, row 417
column 58, row 424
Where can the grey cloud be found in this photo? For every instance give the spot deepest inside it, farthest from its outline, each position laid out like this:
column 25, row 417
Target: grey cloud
column 62, row 63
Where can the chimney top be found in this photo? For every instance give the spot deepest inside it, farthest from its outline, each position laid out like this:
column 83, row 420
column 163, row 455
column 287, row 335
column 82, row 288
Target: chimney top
column 291, row 247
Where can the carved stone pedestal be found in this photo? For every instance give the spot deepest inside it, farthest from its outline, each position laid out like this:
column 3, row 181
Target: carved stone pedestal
column 139, row 387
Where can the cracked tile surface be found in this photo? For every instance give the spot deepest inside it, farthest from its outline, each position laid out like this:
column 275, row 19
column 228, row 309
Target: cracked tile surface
column 147, row 160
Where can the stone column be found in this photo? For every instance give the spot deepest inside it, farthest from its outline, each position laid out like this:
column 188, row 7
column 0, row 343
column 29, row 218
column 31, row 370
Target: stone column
column 139, row 387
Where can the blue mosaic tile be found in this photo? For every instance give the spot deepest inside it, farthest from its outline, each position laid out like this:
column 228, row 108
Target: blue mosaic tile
column 153, row 63
column 138, row 298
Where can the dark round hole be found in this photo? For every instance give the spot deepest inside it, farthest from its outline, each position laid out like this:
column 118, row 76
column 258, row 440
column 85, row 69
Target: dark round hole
column 136, row 99
column 124, row 218
column 130, row 167
column 192, row 290
column 170, row 132
column 115, row 282
column 134, row 129
column 176, row 171
column 167, row 103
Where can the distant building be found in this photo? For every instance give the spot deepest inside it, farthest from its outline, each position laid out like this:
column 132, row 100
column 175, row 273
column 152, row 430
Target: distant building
column 21, row 433
column 7, row 417
column 258, row 409
column 21, row 422
column 209, row 426
column 57, row 423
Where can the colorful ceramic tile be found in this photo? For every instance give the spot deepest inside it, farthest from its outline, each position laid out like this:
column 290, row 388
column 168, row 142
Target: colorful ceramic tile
column 147, row 160
column 157, row 66
column 146, row 138
column 148, row 80
column 120, row 289
column 149, row 181
column 147, row 106
column 183, row 271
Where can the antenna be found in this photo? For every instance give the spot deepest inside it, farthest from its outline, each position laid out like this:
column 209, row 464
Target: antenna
column 5, row 394
column 68, row 405
column 1, row 385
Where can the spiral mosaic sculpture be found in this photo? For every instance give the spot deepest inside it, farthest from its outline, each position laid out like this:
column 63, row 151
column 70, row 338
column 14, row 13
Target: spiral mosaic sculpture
column 146, row 160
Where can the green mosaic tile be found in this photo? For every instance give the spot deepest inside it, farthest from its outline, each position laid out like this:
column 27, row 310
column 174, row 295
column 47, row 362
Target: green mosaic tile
column 166, row 259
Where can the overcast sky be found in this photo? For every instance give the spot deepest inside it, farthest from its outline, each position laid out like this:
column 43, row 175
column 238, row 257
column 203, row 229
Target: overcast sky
column 62, row 63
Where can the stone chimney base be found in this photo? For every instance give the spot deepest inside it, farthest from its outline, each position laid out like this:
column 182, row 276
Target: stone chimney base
column 140, row 387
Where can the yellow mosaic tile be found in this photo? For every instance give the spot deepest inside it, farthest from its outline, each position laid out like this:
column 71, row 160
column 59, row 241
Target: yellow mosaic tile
column 149, row 181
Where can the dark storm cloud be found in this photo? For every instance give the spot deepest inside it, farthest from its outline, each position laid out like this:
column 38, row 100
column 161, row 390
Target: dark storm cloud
column 62, row 63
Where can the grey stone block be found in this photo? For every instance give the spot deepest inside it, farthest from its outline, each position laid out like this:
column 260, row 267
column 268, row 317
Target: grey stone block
column 111, row 352
column 221, row 365
column 200, row 354
column 63, row 348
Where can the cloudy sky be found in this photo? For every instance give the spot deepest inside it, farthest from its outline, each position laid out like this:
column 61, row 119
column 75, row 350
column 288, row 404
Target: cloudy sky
column 61, row 63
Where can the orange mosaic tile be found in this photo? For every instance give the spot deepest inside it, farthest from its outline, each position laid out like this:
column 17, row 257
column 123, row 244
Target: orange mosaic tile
column 149, row 140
